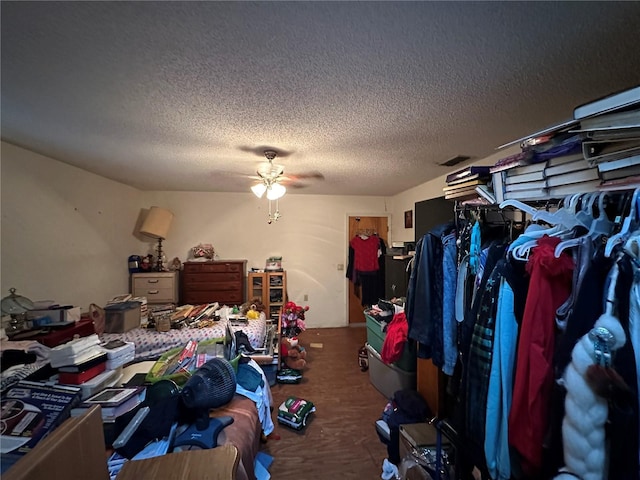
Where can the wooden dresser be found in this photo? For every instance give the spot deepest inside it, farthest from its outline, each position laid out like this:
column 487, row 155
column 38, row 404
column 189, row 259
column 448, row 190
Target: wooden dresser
column 220, row 281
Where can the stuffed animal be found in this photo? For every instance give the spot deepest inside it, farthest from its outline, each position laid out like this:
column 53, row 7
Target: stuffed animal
column 252, row 308
column 293, row 355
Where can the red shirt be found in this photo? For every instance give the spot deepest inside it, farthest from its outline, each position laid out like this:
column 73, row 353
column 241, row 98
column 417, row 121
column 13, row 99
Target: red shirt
column 365, row 253
column 550, row 286
column 395, row 339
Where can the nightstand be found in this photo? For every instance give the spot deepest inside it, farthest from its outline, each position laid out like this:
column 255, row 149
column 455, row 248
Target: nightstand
column 157, row 287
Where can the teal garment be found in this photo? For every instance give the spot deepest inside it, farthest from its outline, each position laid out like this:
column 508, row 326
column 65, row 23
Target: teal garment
column 475, row 248
column 500, row 392
column 248, row 377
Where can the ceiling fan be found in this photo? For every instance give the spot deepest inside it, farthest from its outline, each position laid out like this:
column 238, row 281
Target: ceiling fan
column 270, row 176
column 272, row 181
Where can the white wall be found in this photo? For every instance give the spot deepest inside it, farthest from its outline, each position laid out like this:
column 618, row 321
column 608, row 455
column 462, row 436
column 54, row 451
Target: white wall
column 66, row 233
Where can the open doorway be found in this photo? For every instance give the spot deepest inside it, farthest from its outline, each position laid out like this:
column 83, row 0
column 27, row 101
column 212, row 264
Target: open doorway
column 364, row 225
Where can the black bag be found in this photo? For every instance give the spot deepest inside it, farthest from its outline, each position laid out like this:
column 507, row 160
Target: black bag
column 406, row 406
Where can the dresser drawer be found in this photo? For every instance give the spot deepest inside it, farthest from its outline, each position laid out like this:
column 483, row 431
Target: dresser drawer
column 220, row 281
column 221, row 267
column 229, row 298
column 157, row 287
column 211, row 278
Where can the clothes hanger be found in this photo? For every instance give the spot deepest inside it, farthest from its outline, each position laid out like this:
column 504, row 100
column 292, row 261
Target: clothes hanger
column 519, row 205
column 601, row 225
column 632, row 246
column 629, row 225
column 566, row 215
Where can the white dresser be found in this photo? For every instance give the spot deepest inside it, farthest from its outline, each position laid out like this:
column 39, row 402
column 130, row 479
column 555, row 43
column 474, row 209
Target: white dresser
column 157, row 287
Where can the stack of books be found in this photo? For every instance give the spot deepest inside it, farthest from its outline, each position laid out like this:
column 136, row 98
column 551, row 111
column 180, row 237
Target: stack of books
column 610, row 127
column 553, row 178
column 87, row 364
column 78, row 360
column 114, row 402
column 462, row 184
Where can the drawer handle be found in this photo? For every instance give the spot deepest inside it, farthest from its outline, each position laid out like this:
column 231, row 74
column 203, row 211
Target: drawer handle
column 153, row 292
column 153, row 280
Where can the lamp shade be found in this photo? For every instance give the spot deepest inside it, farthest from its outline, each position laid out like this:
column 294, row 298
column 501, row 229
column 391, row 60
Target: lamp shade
column 259, row 189
column 276, row 191
column 157, row 223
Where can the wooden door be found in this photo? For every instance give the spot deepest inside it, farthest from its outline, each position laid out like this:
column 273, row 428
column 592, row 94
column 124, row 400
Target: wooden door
column 360, row 224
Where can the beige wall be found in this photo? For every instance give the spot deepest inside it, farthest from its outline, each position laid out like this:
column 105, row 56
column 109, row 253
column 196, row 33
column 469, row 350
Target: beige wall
column 66, row 233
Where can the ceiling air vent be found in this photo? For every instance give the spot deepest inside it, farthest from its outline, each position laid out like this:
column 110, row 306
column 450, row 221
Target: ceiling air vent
column 455, row 160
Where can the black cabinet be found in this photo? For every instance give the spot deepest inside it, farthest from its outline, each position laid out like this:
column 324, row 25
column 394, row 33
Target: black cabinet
column 396, row 276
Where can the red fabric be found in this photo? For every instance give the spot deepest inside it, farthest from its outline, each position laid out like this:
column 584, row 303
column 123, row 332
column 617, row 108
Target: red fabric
column 396, row 338
column 549, row 287
column 365, row 252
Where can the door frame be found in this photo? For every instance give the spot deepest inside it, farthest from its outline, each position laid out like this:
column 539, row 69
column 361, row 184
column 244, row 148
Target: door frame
column 346, row 244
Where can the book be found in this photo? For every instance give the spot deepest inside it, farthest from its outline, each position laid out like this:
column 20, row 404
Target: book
column 618, row 164
column 77, row 358
column 574, row 166
column 515, row 187
column 573, row 177
column 603, row 151
column 76, row 378
column 464, row 180
column 523, row 195
column 497, row 183
column 512, row 161
column 612, row 121
column 484, row 191
column 630, row 171
column 531, row 168
column 469, row 183
column 625, row 183
column 608, row 103
column 466, row 192
column 582, row 187
column 109, row 414
column 111, row 397
column 30, row 411
column 524, row 177
column 99, row 357
column 467, row 171
column 574, row 157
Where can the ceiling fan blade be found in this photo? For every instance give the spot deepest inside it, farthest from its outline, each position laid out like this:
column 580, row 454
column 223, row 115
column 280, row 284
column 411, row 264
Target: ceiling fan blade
column 312, row 175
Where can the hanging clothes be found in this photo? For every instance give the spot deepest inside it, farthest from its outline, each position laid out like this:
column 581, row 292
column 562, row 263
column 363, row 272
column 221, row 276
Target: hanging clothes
column 549, row 287
column 425, row 294
column 365, row 270
column 395, row 339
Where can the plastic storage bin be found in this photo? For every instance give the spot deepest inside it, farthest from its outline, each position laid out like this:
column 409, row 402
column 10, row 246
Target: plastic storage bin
column 375, row 338
column 388, row 379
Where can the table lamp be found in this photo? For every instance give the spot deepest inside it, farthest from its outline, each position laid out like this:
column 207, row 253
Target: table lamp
column 156, row 225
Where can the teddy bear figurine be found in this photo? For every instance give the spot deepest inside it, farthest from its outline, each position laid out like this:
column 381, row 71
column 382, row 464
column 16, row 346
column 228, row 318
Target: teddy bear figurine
column 293, row 355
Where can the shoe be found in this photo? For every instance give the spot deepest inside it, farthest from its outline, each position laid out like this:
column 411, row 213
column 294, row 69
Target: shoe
column 363, row 359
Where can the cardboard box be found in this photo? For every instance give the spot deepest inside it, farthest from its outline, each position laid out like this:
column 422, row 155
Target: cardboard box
column 75, row 449
column 30, row 411
column 122, row 317
column 186, row 464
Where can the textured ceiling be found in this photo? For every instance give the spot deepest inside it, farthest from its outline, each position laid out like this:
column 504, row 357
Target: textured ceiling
column 373, row 95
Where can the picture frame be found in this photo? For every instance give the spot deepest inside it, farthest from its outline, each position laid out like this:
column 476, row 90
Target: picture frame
column 408, row 219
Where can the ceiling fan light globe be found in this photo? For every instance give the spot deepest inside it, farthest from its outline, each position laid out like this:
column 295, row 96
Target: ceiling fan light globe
column 276, row 191
column 258, row 189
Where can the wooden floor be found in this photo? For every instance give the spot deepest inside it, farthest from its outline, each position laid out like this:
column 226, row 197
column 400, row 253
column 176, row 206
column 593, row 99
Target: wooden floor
column 340, row 440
